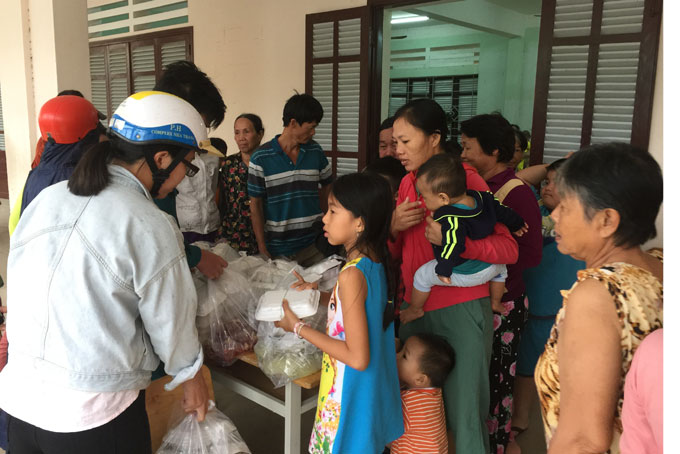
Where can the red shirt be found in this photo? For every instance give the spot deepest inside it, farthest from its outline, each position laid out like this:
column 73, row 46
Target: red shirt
column 414, row 250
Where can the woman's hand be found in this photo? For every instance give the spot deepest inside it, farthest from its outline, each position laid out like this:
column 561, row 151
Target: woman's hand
column 287, row 323
column 262, row 249
column 301, row 284
column 433, row 231
column 211, row 264
column 410, row 313
column 406, row 215
column 196, row 396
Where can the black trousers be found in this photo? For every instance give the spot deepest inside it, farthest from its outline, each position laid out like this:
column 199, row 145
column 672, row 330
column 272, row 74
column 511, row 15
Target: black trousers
column 128, row 433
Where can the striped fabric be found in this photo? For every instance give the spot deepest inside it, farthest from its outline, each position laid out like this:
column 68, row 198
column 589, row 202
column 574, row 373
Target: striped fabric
column 424, row 423
column 290, row 192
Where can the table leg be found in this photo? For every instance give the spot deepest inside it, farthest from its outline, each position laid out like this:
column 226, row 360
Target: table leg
column 292, row 419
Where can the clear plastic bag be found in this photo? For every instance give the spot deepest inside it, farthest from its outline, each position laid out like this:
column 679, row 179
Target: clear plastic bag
column 224, row 322
column 328, row 269
column 283, row 357
column 215, row 435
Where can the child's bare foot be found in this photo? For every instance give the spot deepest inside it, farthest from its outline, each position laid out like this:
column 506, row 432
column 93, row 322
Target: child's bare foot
column 445, row 279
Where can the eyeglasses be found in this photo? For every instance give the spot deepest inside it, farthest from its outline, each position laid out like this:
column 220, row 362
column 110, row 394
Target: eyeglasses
column 191, row 169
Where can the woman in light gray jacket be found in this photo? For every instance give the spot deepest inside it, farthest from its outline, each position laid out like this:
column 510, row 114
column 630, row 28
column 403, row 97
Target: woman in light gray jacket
column 99, row 290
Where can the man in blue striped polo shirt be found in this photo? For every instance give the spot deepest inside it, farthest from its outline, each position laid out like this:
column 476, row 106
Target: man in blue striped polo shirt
column 288, row 183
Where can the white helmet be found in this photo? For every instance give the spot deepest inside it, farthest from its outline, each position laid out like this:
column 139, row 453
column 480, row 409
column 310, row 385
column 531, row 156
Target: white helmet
column 151, row 117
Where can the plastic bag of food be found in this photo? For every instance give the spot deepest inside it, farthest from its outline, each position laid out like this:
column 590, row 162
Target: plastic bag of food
column 215, row 435
column 283, row 357
column 224, row 325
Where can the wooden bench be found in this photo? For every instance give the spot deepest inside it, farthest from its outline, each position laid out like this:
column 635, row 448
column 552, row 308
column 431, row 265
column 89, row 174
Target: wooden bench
column 299, row 396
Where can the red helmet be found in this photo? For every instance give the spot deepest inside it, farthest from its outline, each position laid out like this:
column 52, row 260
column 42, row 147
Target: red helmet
column 67, row 119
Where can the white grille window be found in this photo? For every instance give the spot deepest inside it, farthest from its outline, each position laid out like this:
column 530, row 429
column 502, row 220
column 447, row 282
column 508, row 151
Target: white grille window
column 622, row 16
column 348, row 106
column 457, row 95
column 133, row 64
column 322, row 90
column 615, row 92
column 349, row 37
column 323, row 40
column 573, row 18
column 566, row 95
column 333, row 77
column 598, row 84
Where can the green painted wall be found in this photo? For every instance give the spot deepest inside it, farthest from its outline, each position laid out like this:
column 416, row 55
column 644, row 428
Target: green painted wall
column 506, row 69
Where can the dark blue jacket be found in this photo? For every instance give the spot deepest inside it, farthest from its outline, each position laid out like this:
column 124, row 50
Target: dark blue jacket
column 460, row 222
column 56, row 164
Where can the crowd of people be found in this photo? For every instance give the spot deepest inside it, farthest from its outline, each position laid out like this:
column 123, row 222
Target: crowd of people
column 472, row 283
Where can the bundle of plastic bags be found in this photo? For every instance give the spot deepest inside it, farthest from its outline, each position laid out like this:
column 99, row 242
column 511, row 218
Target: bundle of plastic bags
column 224, row 317
column 215, row 435
column 283, row 357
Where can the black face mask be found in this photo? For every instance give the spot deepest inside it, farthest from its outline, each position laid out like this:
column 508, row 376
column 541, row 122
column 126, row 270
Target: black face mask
column 160, row 175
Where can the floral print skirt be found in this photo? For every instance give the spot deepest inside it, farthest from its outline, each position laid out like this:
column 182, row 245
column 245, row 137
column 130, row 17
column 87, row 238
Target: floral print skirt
column 506, row 335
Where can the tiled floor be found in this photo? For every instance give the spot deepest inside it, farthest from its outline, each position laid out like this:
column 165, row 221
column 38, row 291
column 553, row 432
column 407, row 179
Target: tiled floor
column 261, row 429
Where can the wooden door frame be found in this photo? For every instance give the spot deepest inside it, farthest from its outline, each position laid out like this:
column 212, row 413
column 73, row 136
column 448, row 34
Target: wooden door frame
column 376, row 12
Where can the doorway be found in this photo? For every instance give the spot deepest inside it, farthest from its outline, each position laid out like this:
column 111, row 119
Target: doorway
column 471, row 56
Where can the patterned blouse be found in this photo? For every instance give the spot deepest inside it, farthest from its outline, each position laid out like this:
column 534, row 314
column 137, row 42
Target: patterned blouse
column 234, row 205
column 638, row 297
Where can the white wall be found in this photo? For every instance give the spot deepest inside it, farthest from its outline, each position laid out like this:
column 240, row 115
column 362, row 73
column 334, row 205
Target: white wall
column 254, row 51
column 44, row 51
column 656, row 136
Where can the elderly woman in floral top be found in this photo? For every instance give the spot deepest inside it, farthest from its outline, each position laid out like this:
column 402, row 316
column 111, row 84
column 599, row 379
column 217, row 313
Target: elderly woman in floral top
column 234, row 203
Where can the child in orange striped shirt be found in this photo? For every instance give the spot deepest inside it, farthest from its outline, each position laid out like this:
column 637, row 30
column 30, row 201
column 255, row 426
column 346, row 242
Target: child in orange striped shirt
column 423, row 364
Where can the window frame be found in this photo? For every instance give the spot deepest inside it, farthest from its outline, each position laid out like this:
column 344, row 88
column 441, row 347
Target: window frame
column 648, row 38
column 157, row 39
column 456, row 93
column 336, row 16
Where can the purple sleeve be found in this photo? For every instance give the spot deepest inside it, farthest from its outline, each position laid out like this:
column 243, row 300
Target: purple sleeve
column 522, row 201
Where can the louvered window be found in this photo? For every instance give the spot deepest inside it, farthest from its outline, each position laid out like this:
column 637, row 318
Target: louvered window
column 456, row 94
column 335, row 57
column 424, row 58
column 595, row 75
column 119, row 17
column 129, row 65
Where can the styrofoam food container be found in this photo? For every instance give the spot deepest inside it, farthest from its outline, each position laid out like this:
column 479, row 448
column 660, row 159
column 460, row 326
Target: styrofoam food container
column 303, row 304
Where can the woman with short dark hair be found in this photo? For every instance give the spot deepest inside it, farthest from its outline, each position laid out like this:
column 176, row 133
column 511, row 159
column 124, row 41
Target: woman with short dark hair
column 610, row 196
column 488, row 145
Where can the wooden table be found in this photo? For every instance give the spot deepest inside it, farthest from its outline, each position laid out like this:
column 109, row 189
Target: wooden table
column 291, row 407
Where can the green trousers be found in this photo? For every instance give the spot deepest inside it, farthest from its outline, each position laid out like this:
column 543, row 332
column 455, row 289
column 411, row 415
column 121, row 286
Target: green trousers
column 468, row 328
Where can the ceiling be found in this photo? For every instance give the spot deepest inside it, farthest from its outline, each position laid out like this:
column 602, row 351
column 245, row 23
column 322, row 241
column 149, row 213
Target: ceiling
column 521, row 6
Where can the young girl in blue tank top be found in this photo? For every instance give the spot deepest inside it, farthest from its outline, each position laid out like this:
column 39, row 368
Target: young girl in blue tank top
column 359, row 406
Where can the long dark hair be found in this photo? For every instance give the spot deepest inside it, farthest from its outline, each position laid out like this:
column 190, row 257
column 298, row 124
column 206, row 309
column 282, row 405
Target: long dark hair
column 369, row 196
column 91, row 176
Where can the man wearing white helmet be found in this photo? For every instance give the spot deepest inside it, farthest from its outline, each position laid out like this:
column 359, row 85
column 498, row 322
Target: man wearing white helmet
column 117, row 295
